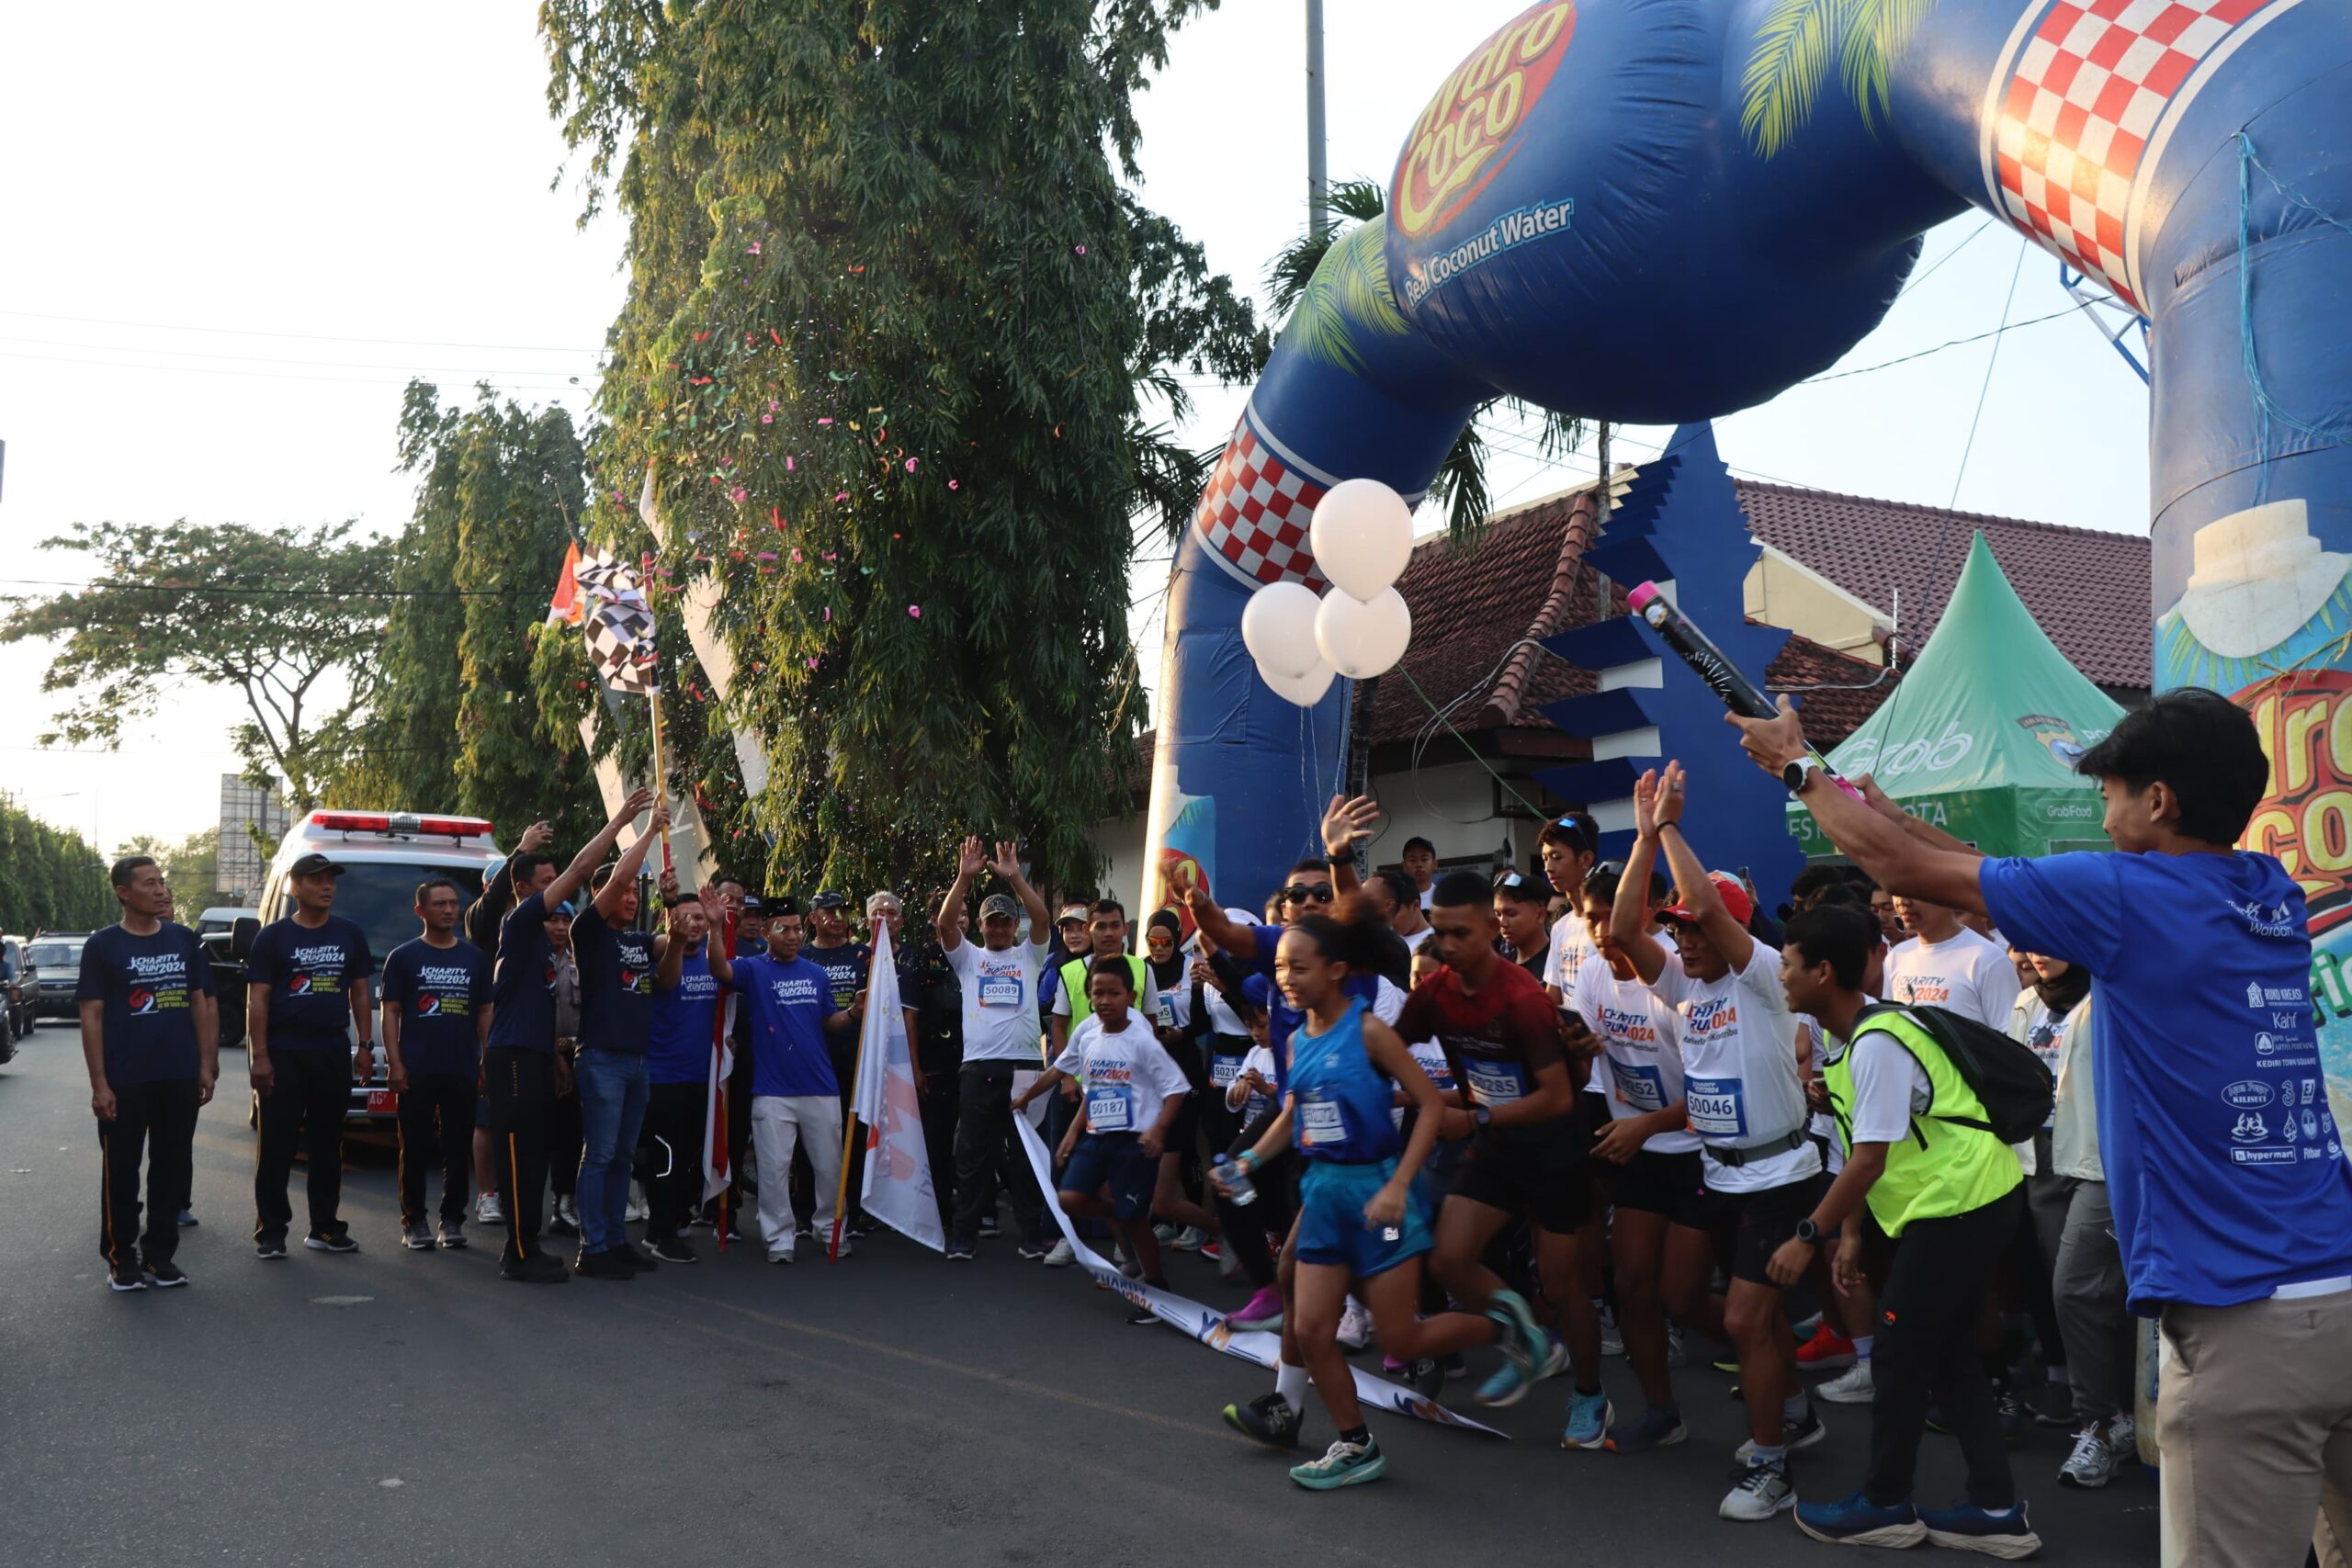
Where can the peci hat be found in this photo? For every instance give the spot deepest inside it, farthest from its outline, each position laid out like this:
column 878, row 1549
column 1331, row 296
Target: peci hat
column 1000, row 905
column 1736, row 903
column 315, row 864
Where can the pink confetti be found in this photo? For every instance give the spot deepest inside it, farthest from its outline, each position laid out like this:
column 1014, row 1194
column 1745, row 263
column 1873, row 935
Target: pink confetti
column 755, row 248
column 796, row 557
column 770, row 419
column 828, row 612
column 787, row 456
column 916, row 611
column 767, row 555
column 910, row 465
column 824, row 422
column 737, row 493
column 954, row 484
column 841, row 496
column 1081, row 250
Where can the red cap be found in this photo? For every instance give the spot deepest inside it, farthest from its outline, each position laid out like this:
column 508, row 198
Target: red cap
column 1736, row 903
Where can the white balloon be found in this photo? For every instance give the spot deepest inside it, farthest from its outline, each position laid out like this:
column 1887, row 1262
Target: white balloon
column 1359, row 639
column 1362, row 535
column 1278, row 628
column 1305, row 690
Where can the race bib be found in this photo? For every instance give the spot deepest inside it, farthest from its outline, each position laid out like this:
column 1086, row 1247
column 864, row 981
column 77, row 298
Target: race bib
column 1000, row 991
column 1320, row 1125
column 1639, row 1086
column 1716, row 1107
column 1167, row 1013
column 1106, row 1110
column 1495, row 1083
column 1223, row 1070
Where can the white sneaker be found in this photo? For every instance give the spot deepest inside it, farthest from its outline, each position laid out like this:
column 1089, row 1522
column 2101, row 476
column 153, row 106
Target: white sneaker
column 781, row 1255
column 1061, row 1257
column 1355, row 1326
column 1763, row 1492
column 2100, row 1452
column 845, row 1252
column 1675, row 1354
column 635, row 1208
column 1227, row 1265
column 1852, row 1386
column 487, row 1211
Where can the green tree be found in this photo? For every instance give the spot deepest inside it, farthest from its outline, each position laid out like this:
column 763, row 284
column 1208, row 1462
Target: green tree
column 456, row 720
column 49, row 879
column 290, row 619
column 192, row 865
column 901, row 353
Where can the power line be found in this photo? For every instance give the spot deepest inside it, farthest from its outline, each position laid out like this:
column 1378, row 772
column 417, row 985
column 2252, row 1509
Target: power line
column 313, row 337
column 1956, row 343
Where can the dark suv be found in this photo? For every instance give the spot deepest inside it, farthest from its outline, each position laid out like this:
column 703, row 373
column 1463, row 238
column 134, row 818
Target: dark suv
column 20, row 990
column 57, row 955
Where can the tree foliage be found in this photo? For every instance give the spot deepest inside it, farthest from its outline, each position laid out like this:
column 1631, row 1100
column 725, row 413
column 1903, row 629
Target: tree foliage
column 290, row 619
column 892, row 332
column 458, row 719
column 49, row 879
column 192, row 866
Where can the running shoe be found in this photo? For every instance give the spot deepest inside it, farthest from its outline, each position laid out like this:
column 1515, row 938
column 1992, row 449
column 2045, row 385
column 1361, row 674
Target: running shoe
column 1427, row 1376
column 539, row 1268
column 2010, row 1411
column 1613, row 1340
column 635, row 1209
column 1061, row 1257
column 603, row 1266
column 1855, row 1520
column 1269, row 1418
column 672, row 1249
column 1660, row 1427
column 1589, row 1415
column 1263, row 1312
column 417, row 1237
column 1163, row 1234
column 2096, row 1459
column 1852, row 1386
column 487, row 1211
column 1532, row 1336
column 269, row 1248
column 452, row 1236
column 783, row 1254
column 991, row 1227
column 1510, row 1382
column 1355, row 1326
column 165, row 1275
column 1676, row 1356
column 1729, row 1364
column 1826, row 1352
column 1343, row 1464
column 643, row 1262
column 1227, row 1265
column 841, row 1253
column 187, row 1216
column 318, row 1243
column 1189, row 1239
column 567, row 1216
column 959, row 1250
column 2007, row 1534
column 1213, row 1249
column 1761, row 1493
column 2052, row 1405
column 1794, row 1434
column 1556, row 1355
column 1031, row 1251
column 126, row 1278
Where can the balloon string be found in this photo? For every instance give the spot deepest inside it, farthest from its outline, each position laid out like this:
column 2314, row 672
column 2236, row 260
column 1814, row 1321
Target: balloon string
column 1532, row 810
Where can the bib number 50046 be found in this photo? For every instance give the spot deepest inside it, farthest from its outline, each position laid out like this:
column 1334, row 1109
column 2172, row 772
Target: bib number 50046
column 1716, row 1108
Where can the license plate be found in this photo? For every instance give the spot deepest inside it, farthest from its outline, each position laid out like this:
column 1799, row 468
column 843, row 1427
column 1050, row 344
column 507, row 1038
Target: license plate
column 380, row 1103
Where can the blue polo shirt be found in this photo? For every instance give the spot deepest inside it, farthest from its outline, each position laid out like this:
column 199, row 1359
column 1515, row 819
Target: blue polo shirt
column 785, row 1008
column 2223, row 1163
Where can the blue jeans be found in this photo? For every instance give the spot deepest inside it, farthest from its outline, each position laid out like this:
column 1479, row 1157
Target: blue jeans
column 612, row 1108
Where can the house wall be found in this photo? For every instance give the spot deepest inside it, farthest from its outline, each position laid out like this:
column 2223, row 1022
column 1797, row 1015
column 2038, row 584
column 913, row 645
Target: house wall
column 1780, row 593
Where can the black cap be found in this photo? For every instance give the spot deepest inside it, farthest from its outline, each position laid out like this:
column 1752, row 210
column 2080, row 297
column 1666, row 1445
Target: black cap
column 312, row 864
column 829, row 900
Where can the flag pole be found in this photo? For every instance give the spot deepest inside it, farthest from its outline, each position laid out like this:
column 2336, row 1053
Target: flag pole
column 849, row 1122
column 715, row 1110
column 660, row 778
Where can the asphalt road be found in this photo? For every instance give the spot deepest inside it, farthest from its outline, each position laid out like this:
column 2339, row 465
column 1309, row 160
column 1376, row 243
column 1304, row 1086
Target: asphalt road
column 410, row 1409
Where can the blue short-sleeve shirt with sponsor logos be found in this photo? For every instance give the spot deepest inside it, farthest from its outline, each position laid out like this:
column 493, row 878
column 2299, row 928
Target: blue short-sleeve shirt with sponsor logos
column 785, row 1008
column 441, row 992
column 683, row 1018
column 148, row 985
column 2224, row 1161
column 309, row 971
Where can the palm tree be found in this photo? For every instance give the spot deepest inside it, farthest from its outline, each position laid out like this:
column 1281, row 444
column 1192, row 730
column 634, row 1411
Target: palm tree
column 1316, row 304
column 1785, row 76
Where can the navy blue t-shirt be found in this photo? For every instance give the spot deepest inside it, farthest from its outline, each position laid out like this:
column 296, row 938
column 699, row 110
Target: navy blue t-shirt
column 2224, row 1160
column 615, row 984
column 684, row 1016
column 309, row 971
column 440, row 992
column 526, row 1017
column 844, row 968
column 148, row 984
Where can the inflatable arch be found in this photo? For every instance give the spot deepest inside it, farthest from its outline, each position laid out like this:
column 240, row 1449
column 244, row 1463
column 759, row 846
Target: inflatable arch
column 1658, row 212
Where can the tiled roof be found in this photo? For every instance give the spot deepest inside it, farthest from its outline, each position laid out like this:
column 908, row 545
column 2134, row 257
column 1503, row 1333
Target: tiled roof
column 2088, row 588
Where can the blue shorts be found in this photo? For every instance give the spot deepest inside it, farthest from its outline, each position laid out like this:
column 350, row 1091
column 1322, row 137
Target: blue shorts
column 1118, row 1159
column 1331, row 1228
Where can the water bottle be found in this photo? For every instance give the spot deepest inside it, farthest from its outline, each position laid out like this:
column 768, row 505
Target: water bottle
column 1235, row 1177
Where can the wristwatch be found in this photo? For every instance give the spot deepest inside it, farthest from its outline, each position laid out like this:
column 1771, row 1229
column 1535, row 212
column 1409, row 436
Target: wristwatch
column 1480, row 1116
column 1808, row 1232
column 1795, row 774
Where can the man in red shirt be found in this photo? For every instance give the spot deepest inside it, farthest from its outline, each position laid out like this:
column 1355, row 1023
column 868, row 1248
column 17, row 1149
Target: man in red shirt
column 1500, row 1034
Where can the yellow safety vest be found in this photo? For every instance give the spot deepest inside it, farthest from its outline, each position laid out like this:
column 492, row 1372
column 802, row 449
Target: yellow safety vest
column 1936, row 1172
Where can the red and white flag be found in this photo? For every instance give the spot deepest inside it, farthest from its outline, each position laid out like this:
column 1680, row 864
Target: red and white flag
column 897, row 1187
column 564, row 609
column 717, row 1168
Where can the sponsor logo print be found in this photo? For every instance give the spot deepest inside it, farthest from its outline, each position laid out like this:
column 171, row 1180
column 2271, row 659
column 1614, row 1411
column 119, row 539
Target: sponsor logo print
column 2251, row 1128
column 1476, row 124
column 141, row 1001
column 2247, row 1094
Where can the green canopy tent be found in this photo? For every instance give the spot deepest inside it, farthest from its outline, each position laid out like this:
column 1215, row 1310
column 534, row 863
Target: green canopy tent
column 1982, row 735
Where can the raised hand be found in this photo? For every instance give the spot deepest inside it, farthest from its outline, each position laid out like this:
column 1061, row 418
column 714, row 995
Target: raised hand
column 1347, row 822
column 1008, row 860
column 973, row 859
column 1645, row 794
column 1668, row 807
column 1773, row 742
column 535, row 836
column 634, row 806
column 714, row 906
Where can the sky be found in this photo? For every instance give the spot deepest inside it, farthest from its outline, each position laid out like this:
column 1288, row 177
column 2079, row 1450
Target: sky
column 227, row 252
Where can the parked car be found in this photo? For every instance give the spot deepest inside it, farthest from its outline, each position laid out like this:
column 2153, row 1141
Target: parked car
column 19, row 988
column 216, row 931
column 386, row 855
column 57, row 956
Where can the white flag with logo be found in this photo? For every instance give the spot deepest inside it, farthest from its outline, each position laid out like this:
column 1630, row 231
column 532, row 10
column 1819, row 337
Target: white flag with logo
column 897, row 1188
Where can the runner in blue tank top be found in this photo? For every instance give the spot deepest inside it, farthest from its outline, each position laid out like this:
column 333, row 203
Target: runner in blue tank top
column 1359, row 1225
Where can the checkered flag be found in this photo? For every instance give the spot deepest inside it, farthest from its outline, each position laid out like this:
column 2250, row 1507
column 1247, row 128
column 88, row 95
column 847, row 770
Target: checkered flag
column 619, row 623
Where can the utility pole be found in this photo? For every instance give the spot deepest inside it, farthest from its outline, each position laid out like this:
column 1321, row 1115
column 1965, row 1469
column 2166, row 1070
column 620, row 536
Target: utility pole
column 1318, row 185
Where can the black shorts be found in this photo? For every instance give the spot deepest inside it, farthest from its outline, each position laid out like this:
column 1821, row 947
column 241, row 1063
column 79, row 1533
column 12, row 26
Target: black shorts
column 1671, row 1185
column 1539, row 1173
column 1750, row 1226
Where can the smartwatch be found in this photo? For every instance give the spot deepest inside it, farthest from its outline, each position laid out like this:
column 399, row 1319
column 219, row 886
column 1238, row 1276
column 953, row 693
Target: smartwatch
column 1808, row 1232
column 1794, row 774
column 1480, row 1116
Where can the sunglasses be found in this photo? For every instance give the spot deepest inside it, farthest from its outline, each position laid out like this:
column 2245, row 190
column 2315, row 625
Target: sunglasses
column 1300, row 892
column 1571, row 824
column 1606, row 868
column 1514, row 879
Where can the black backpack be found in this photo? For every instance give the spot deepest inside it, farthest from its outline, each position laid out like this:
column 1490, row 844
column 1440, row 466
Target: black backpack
column 2008, row 1079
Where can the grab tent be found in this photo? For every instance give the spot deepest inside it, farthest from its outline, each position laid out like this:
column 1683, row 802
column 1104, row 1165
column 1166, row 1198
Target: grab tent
column 1982, row 735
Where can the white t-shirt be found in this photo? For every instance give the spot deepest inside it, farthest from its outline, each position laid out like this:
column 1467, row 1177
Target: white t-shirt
column 1127, row 1075
column 1571, row 946
column 1964, row 973
column 1642, row 1045
column 1147, row 999
column 1000, row 1001
column 1251, row 1104
column 1740, row 1068
column 1429, row 897
column 1413, row 942
column 1890, row 1087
